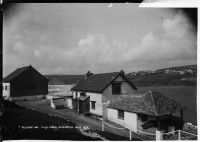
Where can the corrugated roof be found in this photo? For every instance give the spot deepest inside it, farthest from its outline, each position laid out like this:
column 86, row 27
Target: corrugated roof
column 19, row 71
column 151, row 103
column 98, row 82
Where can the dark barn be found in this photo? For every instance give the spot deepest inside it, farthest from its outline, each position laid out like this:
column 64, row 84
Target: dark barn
column 25, row 81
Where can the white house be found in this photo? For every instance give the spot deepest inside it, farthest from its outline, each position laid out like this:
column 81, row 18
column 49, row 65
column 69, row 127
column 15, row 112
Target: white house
column 141, row 112
column 101, row 89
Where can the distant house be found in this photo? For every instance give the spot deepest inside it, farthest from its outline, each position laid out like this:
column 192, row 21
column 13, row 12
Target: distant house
column 181, row 72
column 167, row 71
column 93, row 94
column 141, row 112
column 189, row 71
column 24, row 81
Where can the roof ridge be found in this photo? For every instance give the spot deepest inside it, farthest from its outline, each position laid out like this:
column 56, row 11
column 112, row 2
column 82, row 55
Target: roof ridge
column 105, row 73
column 153, row 102
column 23, row 67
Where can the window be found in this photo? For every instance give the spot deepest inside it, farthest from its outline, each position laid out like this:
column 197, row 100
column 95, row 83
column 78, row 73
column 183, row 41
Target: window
column 120, row 114
column 5, row 87
column 93, row 104
column 143, row 117
column 82, row 94
column 116, row 88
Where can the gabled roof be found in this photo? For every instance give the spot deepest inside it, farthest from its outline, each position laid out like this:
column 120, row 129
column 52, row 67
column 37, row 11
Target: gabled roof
column 98, row 82
column 18, row 72
column 151, row 103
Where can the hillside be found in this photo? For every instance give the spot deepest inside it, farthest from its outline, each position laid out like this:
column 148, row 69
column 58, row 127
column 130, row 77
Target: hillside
column 64, row 79
column 173, row 76
column 179, row 68
column 164, row 80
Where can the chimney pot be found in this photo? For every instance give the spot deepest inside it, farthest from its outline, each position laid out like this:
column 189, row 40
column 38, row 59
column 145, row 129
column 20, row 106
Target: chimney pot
column 122, row 72
column 88, row 74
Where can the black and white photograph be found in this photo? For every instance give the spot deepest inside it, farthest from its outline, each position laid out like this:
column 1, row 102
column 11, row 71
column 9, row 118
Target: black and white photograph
column 98, row 72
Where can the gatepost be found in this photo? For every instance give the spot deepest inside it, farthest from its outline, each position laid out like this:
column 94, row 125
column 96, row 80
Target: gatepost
column 159, row 135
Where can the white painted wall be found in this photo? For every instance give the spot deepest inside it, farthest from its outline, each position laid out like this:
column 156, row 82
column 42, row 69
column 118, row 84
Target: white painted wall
column 130, row 119
column 6, row 93
column 98, row 105
column 97, row 97
column 74, row 94
column 69, row 103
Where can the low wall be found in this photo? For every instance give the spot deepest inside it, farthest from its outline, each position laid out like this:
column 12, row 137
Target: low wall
column 28, row 98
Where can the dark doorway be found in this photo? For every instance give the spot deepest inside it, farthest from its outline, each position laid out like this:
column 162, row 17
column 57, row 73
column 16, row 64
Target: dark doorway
column 83, row 104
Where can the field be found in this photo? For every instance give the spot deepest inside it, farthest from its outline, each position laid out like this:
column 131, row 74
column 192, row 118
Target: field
column 185, row 95
column 162, row 79
column 60, row 89
column 64, row 79
column 20, row 123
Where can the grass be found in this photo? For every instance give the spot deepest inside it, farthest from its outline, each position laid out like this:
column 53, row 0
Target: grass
column 13, row 126
column 21, row 123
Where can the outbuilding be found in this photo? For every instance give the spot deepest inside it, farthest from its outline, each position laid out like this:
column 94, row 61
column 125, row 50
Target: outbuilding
column 140, row 112
column 58, row 102
column 24, row 82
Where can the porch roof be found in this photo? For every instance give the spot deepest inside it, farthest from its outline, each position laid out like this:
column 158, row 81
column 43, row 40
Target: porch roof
column 151, row 103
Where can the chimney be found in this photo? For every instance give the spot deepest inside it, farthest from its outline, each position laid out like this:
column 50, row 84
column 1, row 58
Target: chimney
column 122, row 72
column 88, row 74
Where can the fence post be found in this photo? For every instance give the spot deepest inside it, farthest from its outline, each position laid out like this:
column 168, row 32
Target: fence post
column 159, row 135
column 179, row 134
column 130, row 135
column 102, row 125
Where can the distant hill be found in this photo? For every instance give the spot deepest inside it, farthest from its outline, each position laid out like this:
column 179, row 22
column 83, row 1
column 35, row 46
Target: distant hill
column 179, row 68
column 164, row 80
column 158, row 78
column 64, row 79
column 172, row 76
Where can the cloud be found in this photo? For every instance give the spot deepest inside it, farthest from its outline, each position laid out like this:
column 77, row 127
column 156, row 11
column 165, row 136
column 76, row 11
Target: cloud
column 75, row 45
column 178, row 26
column 96, row 49
column 176, row 42
column 18, row 46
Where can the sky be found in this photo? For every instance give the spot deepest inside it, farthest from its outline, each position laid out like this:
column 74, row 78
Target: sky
column 74, row 38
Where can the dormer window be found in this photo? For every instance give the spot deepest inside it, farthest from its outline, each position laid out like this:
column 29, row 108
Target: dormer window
column 116, row 88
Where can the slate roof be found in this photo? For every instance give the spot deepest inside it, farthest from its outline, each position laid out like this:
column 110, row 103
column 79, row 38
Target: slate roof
column 98, row 82
column 151, row 103
column 17, row 72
